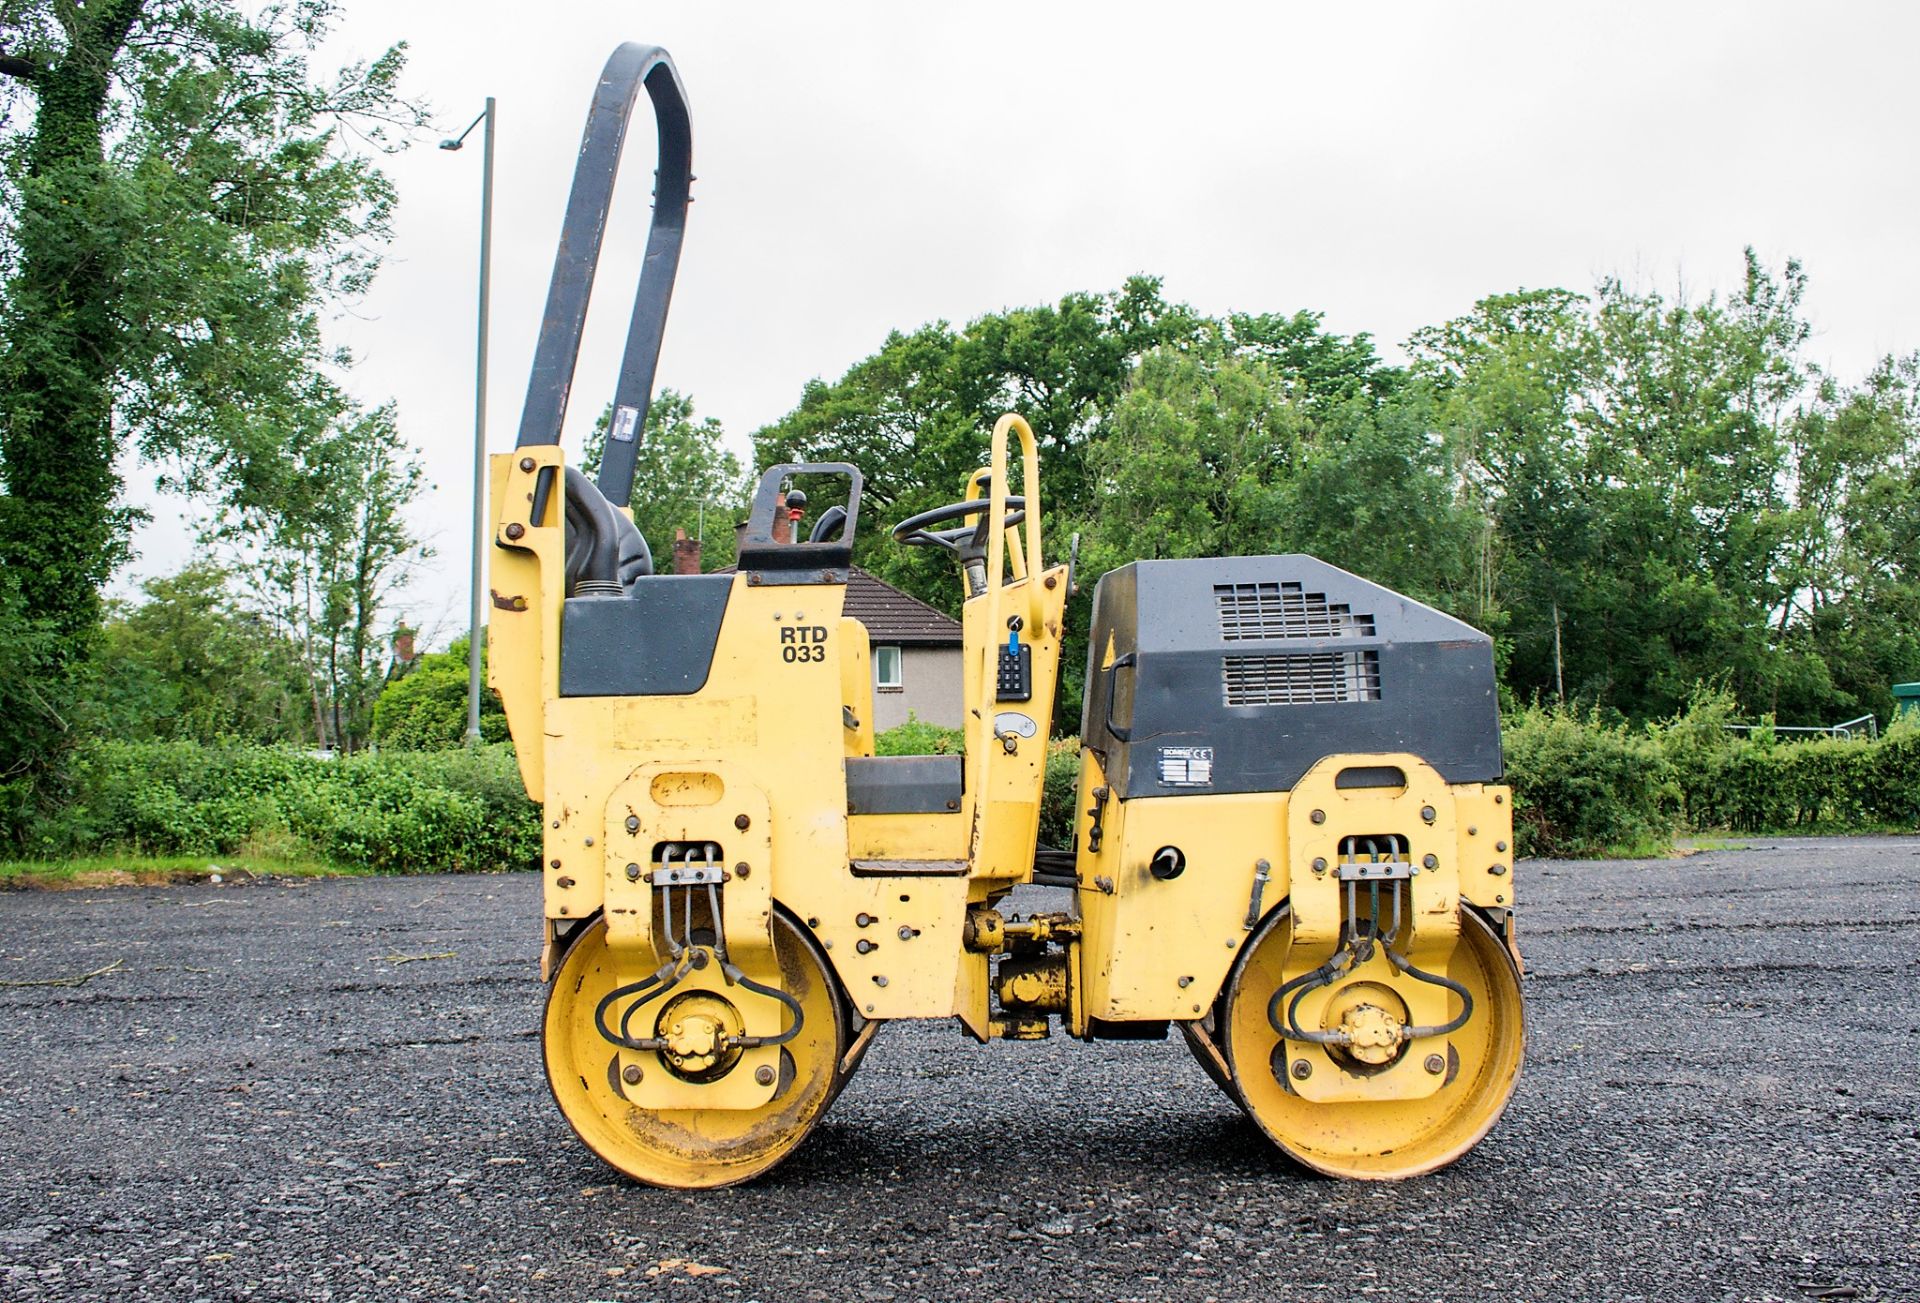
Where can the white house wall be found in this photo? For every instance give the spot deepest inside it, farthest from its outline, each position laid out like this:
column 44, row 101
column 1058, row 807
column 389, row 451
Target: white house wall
column 929, row 689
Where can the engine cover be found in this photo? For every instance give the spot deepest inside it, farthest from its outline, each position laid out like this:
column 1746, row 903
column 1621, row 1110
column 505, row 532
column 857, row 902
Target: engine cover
column 1238, row 674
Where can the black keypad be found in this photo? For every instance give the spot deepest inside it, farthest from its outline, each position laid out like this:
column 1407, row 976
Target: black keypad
column 1015, row 678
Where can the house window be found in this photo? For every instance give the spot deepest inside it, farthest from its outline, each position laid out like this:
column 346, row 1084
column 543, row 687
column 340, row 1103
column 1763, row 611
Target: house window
column 886, row 667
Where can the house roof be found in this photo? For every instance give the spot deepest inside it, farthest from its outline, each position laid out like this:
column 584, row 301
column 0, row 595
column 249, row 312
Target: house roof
column 892, row 616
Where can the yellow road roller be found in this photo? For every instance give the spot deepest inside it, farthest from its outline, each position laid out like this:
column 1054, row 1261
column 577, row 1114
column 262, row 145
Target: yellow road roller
column 1291, row 844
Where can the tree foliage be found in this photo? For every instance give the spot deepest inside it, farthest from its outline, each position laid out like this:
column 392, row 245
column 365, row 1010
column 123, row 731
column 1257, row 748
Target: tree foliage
column 183, row 191
column 184, row 194
column 1685, row 495
column 191, row 663
column 323, row 554
column 426, row 709
column 916, row 415
column 1634, row 492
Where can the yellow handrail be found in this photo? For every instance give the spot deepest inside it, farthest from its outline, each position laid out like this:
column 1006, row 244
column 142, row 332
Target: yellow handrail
column 1016, row 556
column 997, row 524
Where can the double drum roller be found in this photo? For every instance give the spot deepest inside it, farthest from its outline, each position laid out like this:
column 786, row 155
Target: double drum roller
column 1291, row 846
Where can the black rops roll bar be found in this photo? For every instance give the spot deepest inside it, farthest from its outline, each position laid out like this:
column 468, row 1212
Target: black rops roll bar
column 578, row 257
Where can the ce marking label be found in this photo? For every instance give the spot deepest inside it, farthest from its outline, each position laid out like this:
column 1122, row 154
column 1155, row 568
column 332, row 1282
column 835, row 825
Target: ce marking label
column 803, row 642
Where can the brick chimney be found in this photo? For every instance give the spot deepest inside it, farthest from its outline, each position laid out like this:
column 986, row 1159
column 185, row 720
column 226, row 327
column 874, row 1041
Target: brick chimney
column 686, row 553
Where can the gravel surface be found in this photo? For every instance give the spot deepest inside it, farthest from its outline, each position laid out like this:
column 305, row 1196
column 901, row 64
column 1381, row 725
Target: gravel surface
column 263, row 1101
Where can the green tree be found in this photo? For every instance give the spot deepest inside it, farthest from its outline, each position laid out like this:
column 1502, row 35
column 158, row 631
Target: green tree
column 684, row 478
column 1632, row 453
column 916, row 416
column 182, row 194
column 426, row 709
column 1375, row 492
column 1228, row 450
column 1314, row 367
column 1504, row 382
column 1192, row 461
column 1162, row 432
column 35, row 719
column 1848, row 613
column 190, row 663
column 324, row 556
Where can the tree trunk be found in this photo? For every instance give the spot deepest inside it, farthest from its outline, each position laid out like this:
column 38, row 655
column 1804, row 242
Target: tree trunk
column 365, row 605
column 60, row 533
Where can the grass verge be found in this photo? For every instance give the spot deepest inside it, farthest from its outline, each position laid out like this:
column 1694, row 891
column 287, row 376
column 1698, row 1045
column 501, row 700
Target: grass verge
column 157, row 870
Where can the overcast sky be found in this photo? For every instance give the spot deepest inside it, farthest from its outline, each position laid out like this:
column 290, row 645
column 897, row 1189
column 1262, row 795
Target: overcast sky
column 865, row 167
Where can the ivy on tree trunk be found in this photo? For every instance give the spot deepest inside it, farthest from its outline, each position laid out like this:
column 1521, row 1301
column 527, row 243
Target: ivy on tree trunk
column 60, row 533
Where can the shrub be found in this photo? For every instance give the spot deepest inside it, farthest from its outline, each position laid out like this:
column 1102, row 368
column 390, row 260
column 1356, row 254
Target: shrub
column 1582, row 787
column 1890, row 791
column 427, row 709
column 916, row 737
column 1760, row 784
column 448, row 811
column 1058, row 816
column 1697, row 744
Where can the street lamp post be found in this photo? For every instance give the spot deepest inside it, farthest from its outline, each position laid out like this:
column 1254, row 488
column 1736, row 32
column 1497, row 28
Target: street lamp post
column 479, row 413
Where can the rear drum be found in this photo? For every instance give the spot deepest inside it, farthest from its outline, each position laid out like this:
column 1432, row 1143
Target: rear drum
column 1379, row 1140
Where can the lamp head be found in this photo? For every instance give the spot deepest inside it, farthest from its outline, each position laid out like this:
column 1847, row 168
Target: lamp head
column 451, row 144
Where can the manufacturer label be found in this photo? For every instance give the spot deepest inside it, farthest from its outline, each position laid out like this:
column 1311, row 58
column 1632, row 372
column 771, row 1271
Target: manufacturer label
column 1186, row 766
column 625, row 419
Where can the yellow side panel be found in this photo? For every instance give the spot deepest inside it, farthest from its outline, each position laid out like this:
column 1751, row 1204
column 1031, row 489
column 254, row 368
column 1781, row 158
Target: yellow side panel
column 911, row 965
column 699, row 725
column 856, row 686
column 1158, row 949
column 668, row 802
column 1007, row 740
column 907, row 836
column 525, row 581
column 1322, row 816
column 768, row 710
column 1485, row 817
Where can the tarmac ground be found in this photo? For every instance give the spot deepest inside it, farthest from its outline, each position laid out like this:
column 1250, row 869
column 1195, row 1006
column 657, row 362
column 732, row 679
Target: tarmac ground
column 331, row 1089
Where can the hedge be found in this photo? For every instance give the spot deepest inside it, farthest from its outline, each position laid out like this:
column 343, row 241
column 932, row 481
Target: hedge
column 446, row 811
column 1582, row 786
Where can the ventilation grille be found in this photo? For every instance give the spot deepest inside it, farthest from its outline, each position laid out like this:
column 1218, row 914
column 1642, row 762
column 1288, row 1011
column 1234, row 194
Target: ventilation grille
column 1302, row 679
column 1284, row 610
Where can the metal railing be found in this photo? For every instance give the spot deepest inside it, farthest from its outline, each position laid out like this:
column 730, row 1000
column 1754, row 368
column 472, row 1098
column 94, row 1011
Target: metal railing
column 1866, row 726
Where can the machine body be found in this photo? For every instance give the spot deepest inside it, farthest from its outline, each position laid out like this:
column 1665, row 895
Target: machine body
column 1292, row 847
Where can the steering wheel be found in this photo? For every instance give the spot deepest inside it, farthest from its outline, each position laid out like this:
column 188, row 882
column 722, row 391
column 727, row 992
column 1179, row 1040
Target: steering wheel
column 968, row 542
